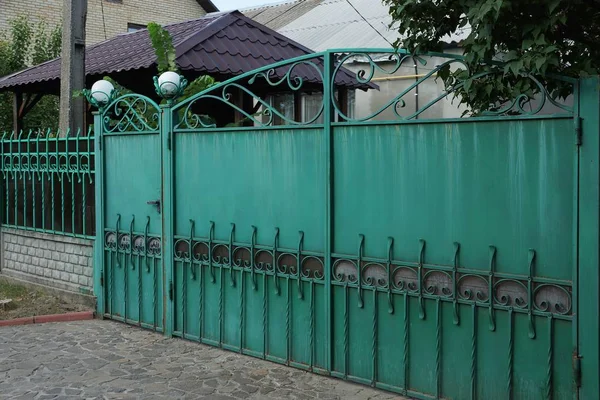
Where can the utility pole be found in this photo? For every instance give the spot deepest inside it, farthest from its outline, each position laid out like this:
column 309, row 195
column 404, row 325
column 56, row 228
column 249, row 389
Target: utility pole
column 72, row 72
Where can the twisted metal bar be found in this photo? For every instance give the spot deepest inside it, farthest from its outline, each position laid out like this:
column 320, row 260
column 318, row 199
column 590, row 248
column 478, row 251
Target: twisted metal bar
column 190, row 250
column 374, row 340
column 492, row 321
column 312, row 325
column 146, row 229
column 200, row 302
column 252, row 259
column 346, row 331
column 276, row 263
column 549, row 380
column 230, row 251
column 455, row 316
column 111, row 284
column 183, row 298
column 288, row 333
column 438, row 349
column 390, row 278
column 530, row 294
column 474, row 354
column 405, row 359
column 420, row 278
column 221, row 307
column 154, row 294
column 361, row 245
column 140, row 293
column 241, row 316
column 211, row 235
column 265, row 337
column 299, row 265
column 509, row 376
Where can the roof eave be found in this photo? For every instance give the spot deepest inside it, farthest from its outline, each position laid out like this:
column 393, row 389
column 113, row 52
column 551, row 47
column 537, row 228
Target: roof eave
column 208, row 6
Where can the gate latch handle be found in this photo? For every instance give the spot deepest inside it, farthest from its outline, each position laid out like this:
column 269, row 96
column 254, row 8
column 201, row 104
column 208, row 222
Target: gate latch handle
column 155, row 203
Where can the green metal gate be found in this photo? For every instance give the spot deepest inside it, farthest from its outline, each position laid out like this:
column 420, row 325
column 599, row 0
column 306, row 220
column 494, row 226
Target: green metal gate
column 433, row 258
column 130, row 241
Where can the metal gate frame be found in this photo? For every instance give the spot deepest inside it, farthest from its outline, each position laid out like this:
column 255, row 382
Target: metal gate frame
column 118, row 246
column 585, row 296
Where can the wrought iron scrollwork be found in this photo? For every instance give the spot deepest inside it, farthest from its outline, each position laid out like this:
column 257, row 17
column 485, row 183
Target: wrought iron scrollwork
column 131, row 113
column 289, row 76
column 522, row 104
column 142, row 243
column 526, row 294
column 255, row 258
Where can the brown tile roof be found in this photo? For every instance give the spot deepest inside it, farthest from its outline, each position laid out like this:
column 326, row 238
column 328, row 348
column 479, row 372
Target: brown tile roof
column 224, row 43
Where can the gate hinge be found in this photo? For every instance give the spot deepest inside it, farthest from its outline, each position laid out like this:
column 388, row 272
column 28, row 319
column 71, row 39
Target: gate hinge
column 170, row 290
column 577, row 369
column 578, row 133
column 102, row 279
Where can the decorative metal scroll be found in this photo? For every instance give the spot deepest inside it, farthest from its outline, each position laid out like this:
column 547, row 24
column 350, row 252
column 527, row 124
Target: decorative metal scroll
column 528, row 294
column 386, row 64
column 131, row 113
column 496, row 291
column 307, row 75
column 293, row 76
column 256, row 259
column 136, row 244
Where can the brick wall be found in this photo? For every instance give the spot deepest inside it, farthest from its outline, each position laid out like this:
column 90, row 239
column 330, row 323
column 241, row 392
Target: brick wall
column 117, row 14
column 52, row 260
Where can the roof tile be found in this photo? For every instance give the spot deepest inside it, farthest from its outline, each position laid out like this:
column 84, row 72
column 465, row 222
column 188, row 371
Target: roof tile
column 227, row 43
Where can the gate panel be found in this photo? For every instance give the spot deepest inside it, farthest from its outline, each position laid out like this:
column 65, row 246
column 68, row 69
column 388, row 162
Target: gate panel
column 465, row 223
column 132, row 222
column 256, row 235
column 442, row 182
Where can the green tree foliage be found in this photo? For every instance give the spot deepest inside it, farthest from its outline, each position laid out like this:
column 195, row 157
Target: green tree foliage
column 162, row 42
column 25, row 44
column 531, row 38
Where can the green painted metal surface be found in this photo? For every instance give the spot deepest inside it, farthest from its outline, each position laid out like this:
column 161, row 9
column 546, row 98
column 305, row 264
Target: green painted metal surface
column 48, row 182
column 437, row 259
column 132, row 280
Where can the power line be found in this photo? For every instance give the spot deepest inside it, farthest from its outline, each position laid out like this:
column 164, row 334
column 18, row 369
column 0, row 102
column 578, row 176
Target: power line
column 103, row 20
column 371, row 25
column 285, row 12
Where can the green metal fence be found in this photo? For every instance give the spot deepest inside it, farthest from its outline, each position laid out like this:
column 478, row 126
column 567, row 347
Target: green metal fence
column 438, row 258
column 48, row 182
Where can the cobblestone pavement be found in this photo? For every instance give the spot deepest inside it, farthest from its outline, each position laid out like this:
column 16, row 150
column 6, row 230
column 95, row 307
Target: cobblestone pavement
column 107, row 360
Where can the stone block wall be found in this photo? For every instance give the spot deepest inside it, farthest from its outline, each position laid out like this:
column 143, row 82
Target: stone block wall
column 105, row 18
column 52, row 260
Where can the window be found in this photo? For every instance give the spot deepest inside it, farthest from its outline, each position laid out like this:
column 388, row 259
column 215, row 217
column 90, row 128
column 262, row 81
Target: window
column 311, row 107
column 284, row 104
column 134, row 27
column 312, row 104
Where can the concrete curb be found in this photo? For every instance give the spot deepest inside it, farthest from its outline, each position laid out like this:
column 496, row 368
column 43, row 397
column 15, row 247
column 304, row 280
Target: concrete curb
column 41, row 319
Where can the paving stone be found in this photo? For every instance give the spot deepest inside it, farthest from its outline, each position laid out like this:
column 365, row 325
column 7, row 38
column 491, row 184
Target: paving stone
column 107, row 360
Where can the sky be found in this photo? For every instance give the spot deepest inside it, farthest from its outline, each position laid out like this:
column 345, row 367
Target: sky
column 226, row 5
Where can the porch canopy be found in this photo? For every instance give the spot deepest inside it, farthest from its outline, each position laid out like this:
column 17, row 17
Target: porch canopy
column 222, row 45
